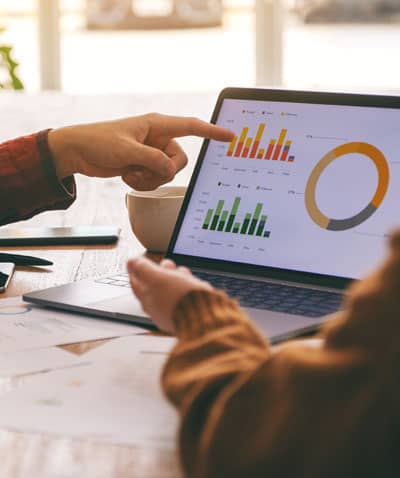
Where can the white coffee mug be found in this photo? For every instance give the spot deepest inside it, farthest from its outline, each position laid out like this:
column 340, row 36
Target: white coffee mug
column 153, row 215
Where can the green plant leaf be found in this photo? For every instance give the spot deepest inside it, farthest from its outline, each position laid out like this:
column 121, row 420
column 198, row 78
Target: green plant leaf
column 10, row 65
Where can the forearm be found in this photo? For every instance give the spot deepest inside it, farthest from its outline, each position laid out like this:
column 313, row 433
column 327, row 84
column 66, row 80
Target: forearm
column 28, row 180
column 216, row 338
column 218, row 349
column 248, row 412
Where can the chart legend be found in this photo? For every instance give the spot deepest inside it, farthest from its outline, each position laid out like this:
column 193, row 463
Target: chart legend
column 223, row 220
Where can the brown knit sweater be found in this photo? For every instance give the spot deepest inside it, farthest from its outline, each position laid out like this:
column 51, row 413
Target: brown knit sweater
column 302, row 411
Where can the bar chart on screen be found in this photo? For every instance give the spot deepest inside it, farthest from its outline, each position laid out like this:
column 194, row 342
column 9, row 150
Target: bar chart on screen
column 247, row 146
column 224, row 220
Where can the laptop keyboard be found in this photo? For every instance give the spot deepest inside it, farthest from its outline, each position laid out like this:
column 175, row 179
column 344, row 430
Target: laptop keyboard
column 263, row 295
column 121, row 280
column 276, row 297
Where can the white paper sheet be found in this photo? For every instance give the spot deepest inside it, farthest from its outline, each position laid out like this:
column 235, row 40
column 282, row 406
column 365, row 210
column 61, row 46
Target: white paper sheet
column 24, row 326
column 125, row 348
column 117, row 399
column 38, row 360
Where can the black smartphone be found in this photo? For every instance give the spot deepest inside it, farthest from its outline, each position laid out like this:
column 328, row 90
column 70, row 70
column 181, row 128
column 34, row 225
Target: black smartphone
column 6, row 272
column 49, row 236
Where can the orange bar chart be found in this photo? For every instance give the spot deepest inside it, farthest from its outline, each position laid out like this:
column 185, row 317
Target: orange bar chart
column 247, row 147
column 278, row 147
column 256, row 144
column 286, row 150
column 232, row 146
column 241, row 142
column 244, row 147
column 271, row 146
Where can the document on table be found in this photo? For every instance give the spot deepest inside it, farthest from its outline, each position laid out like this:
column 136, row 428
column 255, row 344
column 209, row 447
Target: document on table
column 117, row 399
column 25, row 326
column 37, row 360
column 127, row 348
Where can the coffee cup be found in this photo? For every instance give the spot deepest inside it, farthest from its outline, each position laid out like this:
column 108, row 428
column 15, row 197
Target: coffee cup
column 153, row 214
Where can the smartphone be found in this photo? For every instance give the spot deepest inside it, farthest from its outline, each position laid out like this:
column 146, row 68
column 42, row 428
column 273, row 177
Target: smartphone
column 6, row 272
column 49, row 236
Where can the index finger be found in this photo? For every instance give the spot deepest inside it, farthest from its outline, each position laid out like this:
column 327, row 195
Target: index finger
column 177, row 126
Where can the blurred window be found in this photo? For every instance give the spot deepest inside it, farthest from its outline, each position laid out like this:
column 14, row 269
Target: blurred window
column 328, row 44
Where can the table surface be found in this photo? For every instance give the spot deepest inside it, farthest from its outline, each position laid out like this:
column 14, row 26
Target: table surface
column 99, row 202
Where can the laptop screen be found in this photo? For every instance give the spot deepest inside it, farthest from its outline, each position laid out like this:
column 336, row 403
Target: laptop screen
column 304, row 187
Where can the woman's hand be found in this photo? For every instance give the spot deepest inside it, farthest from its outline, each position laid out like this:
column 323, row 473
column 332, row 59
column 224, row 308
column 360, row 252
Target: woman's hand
column 142, row 150
column 159, row 288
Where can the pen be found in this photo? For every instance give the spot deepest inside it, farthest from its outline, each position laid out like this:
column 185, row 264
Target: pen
column 20, row 260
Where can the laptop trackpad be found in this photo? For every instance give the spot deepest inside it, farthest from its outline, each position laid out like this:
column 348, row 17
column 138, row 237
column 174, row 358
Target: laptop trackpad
column 126, row 304
column 279, row 325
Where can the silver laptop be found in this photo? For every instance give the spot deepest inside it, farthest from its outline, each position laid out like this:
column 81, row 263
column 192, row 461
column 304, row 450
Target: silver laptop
column 284, row 217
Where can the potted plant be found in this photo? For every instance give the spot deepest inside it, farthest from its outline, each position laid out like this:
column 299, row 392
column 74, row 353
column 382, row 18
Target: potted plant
column 8, row 66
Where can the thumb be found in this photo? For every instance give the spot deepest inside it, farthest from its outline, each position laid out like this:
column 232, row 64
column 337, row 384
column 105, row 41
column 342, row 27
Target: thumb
column 150, row 158
column 143, row 270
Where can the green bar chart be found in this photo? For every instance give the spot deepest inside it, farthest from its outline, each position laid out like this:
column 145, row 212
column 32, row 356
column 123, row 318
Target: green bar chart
column 222, row 222
column 222, row 219
column 261, row 225
column 232, row 215
column 245, row 224
column 217, row 215
column 255, row 218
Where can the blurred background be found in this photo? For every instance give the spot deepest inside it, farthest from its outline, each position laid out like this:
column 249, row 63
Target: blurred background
column 157, row 46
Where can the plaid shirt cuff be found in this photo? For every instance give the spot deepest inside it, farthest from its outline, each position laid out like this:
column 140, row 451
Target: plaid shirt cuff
column 28, row 180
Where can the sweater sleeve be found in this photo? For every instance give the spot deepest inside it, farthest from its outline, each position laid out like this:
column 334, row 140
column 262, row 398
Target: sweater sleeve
column 28, row 181
column 299, row 411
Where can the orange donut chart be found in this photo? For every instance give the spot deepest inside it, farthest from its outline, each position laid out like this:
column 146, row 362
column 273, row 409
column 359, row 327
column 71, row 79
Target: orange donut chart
column 371, row 152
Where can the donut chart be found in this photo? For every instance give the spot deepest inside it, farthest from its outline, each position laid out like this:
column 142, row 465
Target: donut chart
column 370, row 152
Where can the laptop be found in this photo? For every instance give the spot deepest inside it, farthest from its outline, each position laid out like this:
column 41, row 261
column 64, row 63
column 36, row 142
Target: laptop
column 284, row 217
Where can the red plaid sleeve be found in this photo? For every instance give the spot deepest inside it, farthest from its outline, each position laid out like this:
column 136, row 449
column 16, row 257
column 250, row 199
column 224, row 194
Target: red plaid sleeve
column 28, row 181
